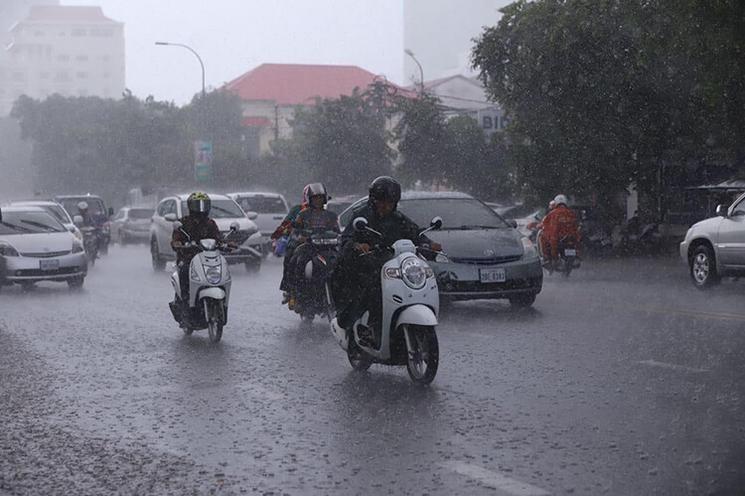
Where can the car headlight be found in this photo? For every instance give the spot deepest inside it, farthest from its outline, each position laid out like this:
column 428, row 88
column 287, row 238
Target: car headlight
column 529, row 249
column 442, row 258
column 414, row 273
column 77, row 247
column 7, row 250
column 214, row 274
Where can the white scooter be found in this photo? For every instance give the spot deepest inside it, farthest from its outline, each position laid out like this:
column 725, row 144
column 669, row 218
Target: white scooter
column 411, row 303
column 209, row 290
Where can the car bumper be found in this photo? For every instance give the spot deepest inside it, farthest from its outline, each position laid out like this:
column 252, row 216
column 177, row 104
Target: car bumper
column 134, row 234
column 28, row 269
column 244, row 254
column 460, row 281
column 684, row 251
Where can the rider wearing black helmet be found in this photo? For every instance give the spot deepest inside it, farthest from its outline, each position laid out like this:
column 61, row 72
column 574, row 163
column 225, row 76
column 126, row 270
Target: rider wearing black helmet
column 198, row 226
column 357, row 279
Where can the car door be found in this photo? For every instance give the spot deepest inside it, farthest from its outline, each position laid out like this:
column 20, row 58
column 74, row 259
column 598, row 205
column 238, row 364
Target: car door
column 170, row 207
column 731, row 242
column 160, row 224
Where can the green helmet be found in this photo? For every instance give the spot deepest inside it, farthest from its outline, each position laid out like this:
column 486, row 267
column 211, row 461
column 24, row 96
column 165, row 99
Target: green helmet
column 198, row 203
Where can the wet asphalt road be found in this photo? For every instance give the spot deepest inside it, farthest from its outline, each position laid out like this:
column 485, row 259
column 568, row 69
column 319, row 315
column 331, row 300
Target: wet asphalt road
column 623, row 380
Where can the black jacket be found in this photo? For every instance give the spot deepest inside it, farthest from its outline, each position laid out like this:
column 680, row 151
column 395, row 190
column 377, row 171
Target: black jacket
column 394, row 227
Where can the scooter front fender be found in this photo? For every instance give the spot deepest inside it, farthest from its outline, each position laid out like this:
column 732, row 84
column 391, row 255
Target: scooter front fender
column 417, row 315
column 214, row 293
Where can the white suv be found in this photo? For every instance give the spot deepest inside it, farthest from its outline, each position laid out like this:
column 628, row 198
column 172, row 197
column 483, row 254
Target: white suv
column 225, row 211
column 715, row 247
column 270, row 209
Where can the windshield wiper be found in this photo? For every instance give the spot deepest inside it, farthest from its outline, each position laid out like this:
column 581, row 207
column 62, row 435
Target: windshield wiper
column 16, row 227
column 467, row 227
column 40, row 225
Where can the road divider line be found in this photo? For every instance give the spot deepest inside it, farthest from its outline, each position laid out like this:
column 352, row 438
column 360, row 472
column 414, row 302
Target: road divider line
column 672, row 366
column 494, row 480
column 692, row 313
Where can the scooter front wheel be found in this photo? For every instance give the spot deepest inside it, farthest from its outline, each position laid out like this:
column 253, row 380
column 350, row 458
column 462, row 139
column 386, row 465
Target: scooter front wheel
column 213, row 316
column 423, row 354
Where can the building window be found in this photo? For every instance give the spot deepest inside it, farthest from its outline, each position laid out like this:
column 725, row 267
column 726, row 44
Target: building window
column 62, row 76
column 44, row 75
column 82, row 58
column 487, row 122
column 78, row 32
column 102, row 33
column 82, row 75
column 63, row 58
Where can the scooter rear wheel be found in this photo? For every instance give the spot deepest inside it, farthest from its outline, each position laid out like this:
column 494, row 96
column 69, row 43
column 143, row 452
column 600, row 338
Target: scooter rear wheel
column 358, row 359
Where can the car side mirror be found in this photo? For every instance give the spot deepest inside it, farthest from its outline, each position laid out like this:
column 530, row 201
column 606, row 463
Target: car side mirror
column 111, row 211
column 360, row 224
column 252, row 215
column 234, row 226
column 512, row 223
column 78, row 220
column 722, row 210
column 71, row 229
column 436, row 223
column 171, row 217
column 177, row 224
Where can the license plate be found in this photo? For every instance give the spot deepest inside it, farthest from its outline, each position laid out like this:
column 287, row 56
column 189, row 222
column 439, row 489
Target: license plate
column 570, row 252
column 492, row 275
column 49, row 264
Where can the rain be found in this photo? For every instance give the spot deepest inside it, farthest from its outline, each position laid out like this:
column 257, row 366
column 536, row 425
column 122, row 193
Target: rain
column 372, row 247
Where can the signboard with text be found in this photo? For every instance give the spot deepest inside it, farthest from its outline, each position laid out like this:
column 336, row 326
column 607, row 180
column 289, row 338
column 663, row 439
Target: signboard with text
column 203, row 154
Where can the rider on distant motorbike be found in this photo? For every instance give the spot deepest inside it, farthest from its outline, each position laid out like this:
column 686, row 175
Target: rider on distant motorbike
column 195, row 227
column 356, row 284
column 559, row 225
column 85, row 213
column 285, row 230
column 311, row 218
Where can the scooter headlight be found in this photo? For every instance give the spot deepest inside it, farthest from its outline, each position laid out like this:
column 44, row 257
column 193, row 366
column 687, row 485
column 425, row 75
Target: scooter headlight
column 414, row 272
column 214, row 274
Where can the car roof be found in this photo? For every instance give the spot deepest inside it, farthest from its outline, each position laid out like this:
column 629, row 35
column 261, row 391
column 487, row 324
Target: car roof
column 426, row 195
column 22, row 208
column 256, row 193
column 185, row 196
column 35, row 203
column 88, row 195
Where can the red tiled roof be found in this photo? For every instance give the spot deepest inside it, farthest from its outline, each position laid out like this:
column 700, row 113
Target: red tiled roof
column 297, row 84
column 256, row 122
column 66, row 13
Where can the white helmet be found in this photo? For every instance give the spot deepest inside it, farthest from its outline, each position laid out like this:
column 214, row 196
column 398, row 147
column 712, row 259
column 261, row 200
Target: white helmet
column 560, row 200
column 83, row 205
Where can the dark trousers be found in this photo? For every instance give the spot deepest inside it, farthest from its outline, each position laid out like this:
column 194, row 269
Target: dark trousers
column 285, row 284
column 183, row 278
column 357, row 288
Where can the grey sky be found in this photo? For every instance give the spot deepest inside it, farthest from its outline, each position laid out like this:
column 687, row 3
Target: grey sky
column 233, row 36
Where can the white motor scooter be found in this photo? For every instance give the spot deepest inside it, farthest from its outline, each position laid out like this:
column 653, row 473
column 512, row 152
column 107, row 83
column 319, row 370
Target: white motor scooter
column 410, row 304
column 209, row 290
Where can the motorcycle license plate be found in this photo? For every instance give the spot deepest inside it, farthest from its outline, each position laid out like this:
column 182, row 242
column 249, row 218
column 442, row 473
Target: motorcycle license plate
column 49, row 264
column 570, row 252
column 492, row 275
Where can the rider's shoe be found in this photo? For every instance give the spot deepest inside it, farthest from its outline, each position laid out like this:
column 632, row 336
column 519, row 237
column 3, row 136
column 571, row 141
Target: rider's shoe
column 291, row 303
column 285, row 297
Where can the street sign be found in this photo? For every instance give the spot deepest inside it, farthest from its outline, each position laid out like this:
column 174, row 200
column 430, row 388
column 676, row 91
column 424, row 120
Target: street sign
column 203, row 154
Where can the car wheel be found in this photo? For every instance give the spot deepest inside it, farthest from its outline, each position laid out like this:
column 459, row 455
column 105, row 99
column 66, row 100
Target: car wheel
column 159, row 264
column 703, row 267
column 76, row 283
column 523, row 300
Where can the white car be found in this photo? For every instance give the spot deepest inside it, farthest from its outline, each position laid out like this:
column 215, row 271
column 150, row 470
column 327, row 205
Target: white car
column 225, row 212
column 715, row 247
column 266, row 209
column 131, row 225
column 57, row 211
column 35, row 247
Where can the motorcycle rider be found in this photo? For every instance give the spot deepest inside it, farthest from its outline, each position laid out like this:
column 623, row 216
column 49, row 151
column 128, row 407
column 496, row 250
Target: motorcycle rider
column 559, row 224
column 84, row 212
column 195, row 227
column 313, row 217
column 285, row 229
column 356, row 284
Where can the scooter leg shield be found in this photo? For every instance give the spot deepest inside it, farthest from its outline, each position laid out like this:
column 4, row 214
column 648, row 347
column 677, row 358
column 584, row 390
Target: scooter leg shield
column 417, row 315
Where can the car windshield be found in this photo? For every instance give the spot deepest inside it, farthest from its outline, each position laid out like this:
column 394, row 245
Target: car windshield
column 456, row 213
column 140, row 213
column 221, row 209
column 519, row 211
column 95, row 206
column 29, row 223
column 262, row 204
column 58, row 213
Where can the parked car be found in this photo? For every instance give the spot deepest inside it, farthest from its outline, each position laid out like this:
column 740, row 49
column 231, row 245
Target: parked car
column 266, row 209
column 131, row 225
column 485, row 256
column 715, row 247
column 524, row 215
column 340, row 204
column 100, row 214
column 36, row 247
column 56, row 210
column 225, row 211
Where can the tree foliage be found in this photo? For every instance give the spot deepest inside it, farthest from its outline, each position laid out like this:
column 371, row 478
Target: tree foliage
column 608, row 92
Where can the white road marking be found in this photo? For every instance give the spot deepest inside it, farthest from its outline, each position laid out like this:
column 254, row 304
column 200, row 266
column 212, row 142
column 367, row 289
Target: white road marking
column 494, row 480
column 672, row 366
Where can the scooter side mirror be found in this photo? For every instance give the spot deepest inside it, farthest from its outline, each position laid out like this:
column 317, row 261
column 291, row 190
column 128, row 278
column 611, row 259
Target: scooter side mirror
column 252, row 215
column 234, row 226
column 722, row 210
column 78, row 220
column 177, row 225
column 360, row 224
column 512, row 223
column 436, row 223
column 171, row 217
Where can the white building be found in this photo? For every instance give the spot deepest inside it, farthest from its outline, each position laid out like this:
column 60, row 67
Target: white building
column 72, row 51
column 441, row 32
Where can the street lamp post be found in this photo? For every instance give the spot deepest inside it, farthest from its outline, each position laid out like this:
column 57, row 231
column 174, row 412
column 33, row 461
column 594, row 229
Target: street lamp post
column 166, row 43
column 421, row 71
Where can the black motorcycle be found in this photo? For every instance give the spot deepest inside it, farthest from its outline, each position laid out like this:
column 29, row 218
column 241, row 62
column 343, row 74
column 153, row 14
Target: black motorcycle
column 316, row 259
column 91, row 243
